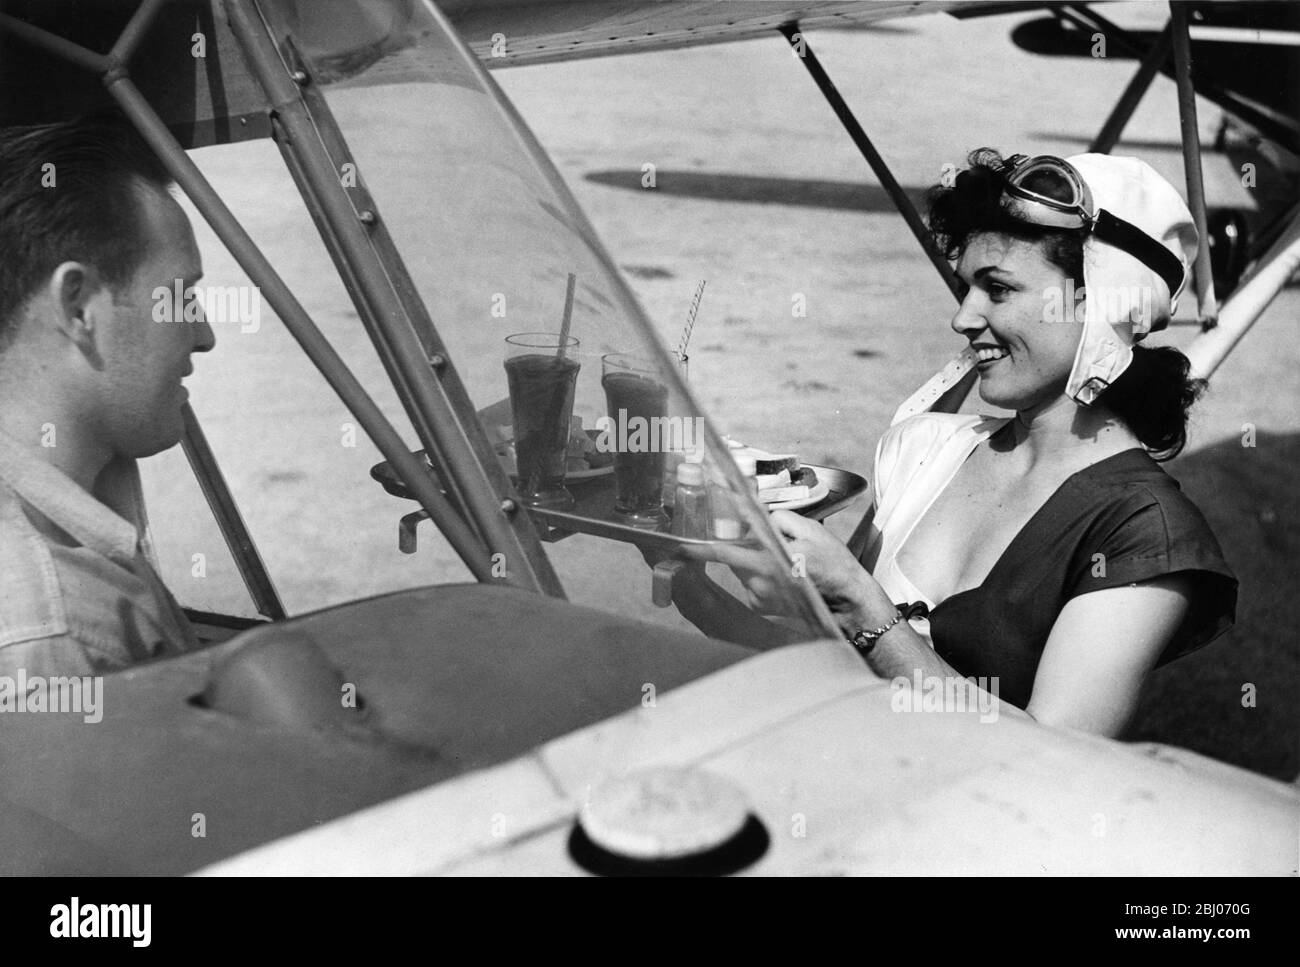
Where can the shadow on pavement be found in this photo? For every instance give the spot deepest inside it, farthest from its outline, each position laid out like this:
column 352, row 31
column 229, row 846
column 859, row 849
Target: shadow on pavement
column 721, row 186
column 1203, row 701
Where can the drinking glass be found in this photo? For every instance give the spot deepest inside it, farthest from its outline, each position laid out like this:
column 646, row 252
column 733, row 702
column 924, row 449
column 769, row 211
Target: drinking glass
column 542, row 375
column 637, row 400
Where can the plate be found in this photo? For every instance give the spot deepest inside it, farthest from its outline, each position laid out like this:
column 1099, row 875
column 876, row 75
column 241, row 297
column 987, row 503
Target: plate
column 570, row 476
column 816, row 495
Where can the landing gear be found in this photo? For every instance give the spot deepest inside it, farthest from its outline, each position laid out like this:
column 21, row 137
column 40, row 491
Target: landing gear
column 1229, row 240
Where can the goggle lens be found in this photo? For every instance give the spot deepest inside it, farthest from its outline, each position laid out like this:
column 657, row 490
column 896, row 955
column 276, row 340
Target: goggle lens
column 1050, row 184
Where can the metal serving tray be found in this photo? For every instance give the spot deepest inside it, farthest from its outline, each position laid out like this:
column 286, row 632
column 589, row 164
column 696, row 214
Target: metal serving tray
column 593, row 512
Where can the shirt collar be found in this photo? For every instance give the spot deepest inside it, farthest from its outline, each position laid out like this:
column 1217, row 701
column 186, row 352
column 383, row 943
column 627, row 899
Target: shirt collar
column 112, row 527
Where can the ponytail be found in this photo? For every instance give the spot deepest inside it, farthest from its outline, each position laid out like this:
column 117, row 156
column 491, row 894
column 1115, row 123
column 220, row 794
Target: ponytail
column 1153, row 396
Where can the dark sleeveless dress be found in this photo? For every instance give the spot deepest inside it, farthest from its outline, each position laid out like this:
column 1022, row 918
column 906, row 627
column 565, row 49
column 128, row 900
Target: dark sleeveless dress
column 1120, row 521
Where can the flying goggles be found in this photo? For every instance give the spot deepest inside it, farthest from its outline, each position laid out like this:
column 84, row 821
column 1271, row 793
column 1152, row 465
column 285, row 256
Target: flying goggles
column 1049, row 191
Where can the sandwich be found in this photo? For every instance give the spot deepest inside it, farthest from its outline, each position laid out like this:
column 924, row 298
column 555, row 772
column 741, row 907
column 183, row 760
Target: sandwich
column 780, row 475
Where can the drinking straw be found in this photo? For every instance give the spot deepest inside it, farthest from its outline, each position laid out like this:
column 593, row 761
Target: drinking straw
column 568, row 315
column 690, row 321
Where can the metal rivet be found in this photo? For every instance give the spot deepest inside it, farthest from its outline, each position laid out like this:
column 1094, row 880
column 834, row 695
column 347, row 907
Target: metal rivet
column 366, row 216
column 437, row 360
column 299, row 77
column 508, row 506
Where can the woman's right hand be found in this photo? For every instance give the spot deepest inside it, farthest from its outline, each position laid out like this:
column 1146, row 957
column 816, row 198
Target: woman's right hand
column 751, row 563
column 816, row 555
column 713, row 610
column 844, row 584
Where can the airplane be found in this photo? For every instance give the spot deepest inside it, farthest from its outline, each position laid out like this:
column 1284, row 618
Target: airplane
column 477, row 718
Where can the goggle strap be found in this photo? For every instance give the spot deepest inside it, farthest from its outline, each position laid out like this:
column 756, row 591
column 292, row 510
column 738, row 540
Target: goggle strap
column 1128, row 237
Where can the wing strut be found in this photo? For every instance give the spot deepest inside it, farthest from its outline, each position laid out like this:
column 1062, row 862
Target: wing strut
column 1152, row 62
column 1207, row 305
column 802, row 50
column 952, row 394
column 233, row 529
column 1284, row 131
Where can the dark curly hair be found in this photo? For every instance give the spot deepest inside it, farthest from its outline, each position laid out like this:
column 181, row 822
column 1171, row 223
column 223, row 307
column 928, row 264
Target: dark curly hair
column 1154, row 394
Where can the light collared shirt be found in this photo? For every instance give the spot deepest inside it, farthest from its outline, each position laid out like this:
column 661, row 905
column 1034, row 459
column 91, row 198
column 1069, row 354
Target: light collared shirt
column 79, row 587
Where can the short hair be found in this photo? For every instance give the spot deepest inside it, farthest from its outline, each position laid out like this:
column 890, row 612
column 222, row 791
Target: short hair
column 974, row 203
column 71, row 192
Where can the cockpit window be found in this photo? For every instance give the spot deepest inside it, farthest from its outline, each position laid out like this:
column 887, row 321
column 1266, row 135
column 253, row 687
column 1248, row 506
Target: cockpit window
column 501, row 255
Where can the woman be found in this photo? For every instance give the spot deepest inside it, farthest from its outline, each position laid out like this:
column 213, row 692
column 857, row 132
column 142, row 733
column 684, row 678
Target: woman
column 1048, row 550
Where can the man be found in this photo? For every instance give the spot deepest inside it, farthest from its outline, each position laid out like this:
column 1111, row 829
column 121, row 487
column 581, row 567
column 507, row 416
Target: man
column 89, row 382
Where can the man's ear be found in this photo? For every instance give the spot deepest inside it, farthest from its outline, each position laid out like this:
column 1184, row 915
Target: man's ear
column 80, row 301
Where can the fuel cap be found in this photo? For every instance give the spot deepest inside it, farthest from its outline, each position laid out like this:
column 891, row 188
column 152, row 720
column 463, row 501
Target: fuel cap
column 667, row 821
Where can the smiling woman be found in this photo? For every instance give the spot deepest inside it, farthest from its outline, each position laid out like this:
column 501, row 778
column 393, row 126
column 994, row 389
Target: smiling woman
column 1045, row 556
column 1047, row 551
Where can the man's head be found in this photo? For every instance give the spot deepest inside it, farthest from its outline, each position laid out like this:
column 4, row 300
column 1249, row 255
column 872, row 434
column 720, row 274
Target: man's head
column 88, row 233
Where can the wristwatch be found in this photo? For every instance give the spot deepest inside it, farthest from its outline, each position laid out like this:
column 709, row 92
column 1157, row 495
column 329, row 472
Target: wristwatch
column 864, row 641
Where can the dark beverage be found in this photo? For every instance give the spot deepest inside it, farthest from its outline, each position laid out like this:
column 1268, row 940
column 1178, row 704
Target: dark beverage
column 541, row 399
column 634, row 401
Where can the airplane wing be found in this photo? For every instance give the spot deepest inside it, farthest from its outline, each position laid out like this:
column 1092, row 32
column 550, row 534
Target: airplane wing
column 505, row 33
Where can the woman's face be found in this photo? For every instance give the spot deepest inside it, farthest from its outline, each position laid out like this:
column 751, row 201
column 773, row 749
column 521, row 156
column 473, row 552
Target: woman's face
column 1025, row 348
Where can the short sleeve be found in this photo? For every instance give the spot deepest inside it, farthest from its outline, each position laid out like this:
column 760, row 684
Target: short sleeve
column 1150, row 535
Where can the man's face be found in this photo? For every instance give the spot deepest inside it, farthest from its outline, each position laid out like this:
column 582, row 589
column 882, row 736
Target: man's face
column 144, row 359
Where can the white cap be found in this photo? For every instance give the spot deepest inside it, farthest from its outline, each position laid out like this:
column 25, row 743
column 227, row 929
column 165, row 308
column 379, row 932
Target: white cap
column 1124, row 299
column 691, row 474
